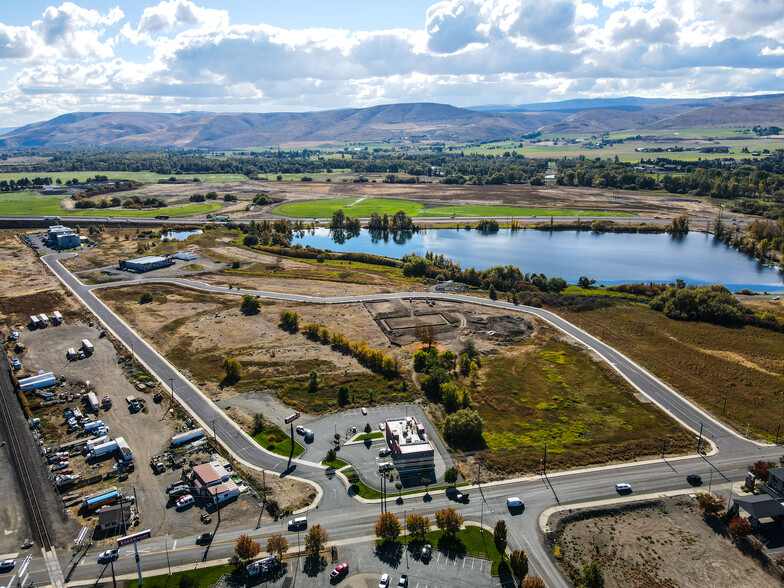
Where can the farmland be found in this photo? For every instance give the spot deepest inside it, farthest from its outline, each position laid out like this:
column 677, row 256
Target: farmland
column 142, row 176
column 363, row 207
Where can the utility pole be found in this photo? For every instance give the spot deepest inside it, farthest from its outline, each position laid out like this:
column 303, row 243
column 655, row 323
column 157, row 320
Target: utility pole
column 544, row 461
column 724, row 409
column 171, row 389
column 405, row 535
column 778, row 429
column 663, row 444
column 215, row 433
column 166, row 543
column 699, row 440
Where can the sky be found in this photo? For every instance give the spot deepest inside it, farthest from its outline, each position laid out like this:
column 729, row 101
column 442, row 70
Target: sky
column 300, row 55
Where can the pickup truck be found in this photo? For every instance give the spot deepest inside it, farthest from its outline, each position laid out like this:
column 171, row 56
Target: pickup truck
column 403, row 582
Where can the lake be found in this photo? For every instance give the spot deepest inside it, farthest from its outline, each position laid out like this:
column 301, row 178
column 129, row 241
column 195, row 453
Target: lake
column 180, row 235
column 609, row 258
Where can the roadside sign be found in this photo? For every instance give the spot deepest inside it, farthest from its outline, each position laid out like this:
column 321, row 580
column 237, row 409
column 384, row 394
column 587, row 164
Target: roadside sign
column 79, row 541
column 128, row 539
column 292, row 418
column 24, row 566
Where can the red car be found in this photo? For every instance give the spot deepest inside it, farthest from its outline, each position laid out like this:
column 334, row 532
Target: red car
column 339, row 571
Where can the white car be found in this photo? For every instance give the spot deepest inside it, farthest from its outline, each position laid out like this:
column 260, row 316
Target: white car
column 7, row 564
column 300, row 429
column 384, row 452
column 514, row 502
column 384, row 581
column 623, row 487
column 364, row 410
column 108, row 555
column 380, row 426
column 184, row 501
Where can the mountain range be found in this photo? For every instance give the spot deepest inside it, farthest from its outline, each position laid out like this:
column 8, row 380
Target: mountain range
column 422, row 122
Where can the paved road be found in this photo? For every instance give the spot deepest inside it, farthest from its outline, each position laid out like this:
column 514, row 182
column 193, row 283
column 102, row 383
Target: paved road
column 347, row 519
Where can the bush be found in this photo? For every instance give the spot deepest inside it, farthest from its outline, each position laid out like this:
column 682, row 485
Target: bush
column 289, row 321
column 464, row 428
column 250, row 304
column 146, row 297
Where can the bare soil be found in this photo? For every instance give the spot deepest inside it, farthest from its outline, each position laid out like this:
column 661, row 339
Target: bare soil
column 665, row 543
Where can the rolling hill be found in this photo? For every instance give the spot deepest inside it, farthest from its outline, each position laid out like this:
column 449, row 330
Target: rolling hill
column 424, row 122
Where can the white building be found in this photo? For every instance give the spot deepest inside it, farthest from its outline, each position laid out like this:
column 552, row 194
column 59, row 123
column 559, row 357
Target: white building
column 412, row 451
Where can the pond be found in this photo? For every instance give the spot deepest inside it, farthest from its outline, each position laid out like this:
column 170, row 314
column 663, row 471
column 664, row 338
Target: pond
column 180, row 235
column 609, row 258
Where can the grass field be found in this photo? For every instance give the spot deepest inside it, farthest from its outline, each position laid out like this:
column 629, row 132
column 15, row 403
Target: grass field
column 552, row 392
column 203, row 577
column 703, row 361
column 282, row 446
column 363, row 207
column 142, row 176
column 27, row 202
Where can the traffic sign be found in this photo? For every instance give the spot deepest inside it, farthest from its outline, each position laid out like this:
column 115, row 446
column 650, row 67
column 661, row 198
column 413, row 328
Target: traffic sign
column 136, row 537
column 292, row 418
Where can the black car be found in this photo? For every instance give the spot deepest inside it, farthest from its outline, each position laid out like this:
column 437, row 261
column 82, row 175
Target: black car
column 204, row 539
column 694, row 479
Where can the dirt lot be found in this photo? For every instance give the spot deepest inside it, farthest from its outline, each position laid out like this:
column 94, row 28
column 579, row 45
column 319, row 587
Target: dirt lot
column 664, row 543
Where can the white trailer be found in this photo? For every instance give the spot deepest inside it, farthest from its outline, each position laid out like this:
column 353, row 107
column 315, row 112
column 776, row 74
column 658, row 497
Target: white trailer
column 92, row 400
column 92, row 443
column 124, row 450
column 182, row 438
column 87, row 347
column 102, row 449
column 44, row 319
column 71, row 354
column 57, row 317
column 34, row 322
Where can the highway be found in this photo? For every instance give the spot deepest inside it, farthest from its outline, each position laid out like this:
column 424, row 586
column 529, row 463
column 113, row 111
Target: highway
column 725, row 461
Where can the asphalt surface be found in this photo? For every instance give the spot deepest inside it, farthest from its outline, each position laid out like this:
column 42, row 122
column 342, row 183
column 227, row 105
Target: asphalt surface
column 347, row 519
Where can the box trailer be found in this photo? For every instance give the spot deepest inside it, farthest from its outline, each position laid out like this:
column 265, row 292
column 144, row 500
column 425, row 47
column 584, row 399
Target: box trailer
column 87, row 347
column 92, row 400
column 102, row 449
column 71, row 354
column 34, row 322
column 123, row 449
column 57, row 317
column 44, row 319
column 91, row 444
column 187, row 436
column 37, row 382
column 93, row 426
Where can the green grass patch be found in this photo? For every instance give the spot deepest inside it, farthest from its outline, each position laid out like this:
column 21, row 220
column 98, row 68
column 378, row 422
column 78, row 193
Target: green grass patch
column 29, row 202
column 551, row 392
column 363, row 207
column 468, row 541
column 283, row 444
column 337, row 464
column 203, row 577
column 366, row 436
column 361, row 488
column 142, row 176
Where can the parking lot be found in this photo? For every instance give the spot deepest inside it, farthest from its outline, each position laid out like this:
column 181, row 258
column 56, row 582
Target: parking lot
column 363, row 456
column 367, row 562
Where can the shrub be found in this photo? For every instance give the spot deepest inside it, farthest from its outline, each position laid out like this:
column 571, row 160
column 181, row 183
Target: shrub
column 250, row 304
column 146, row 297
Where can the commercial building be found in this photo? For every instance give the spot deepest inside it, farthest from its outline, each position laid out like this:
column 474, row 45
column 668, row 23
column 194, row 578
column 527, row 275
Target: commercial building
column 146, row 264
column 62, row 237
column 212, row 480
column 116, row 517
column 412, row 451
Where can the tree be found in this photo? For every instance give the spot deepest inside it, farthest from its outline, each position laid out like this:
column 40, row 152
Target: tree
column 289, row 321
column 316, row 539
column 425, row 334
column 146, row 297
column 448, row 360
column 258, row 424
column 313, row 381
column 760, row 469
column 585, row 282
column 353, row 478
column 449, row 520
column 233, row 369
column 342, row 393
column 332, row 455
column 417, row 526
column 499, row 537
column 250, row 304
column 518, row 562
column 450, row 475
column 739, row 526
column 450, row 397
column 187, row 581
column 492, row 293
column 533, row 582
column 277, row 545
column 399, row 487
column 388, row 527
column 464, row 428
column 425, row 481
column 246, row 548
column 367, row 429
column 710, row 504
column 592, row 574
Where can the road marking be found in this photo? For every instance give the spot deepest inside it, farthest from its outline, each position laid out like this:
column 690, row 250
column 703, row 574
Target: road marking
column 174, row 545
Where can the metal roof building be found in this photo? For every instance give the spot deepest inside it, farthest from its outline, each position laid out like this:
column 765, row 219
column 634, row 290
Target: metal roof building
column 146, row 264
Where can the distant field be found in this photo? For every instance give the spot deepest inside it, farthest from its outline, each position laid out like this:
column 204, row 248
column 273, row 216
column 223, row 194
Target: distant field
column 143, row 176
column 27, row 203
column 363, row 207
column 298, row 177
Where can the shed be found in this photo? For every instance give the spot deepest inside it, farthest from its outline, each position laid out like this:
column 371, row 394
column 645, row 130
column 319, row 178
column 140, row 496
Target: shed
column 185, row 256
column 146, row 264
column 114, row 517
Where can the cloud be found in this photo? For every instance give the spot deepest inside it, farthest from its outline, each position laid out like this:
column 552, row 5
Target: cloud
column 171, row 15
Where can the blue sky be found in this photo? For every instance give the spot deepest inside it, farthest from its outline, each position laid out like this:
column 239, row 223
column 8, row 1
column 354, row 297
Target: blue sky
column 258, row 56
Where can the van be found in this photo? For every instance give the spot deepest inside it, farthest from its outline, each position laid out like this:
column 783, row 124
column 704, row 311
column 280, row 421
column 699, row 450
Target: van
column 298, row 523
column 34, row 322
column 44, row 319
column 385, row 466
